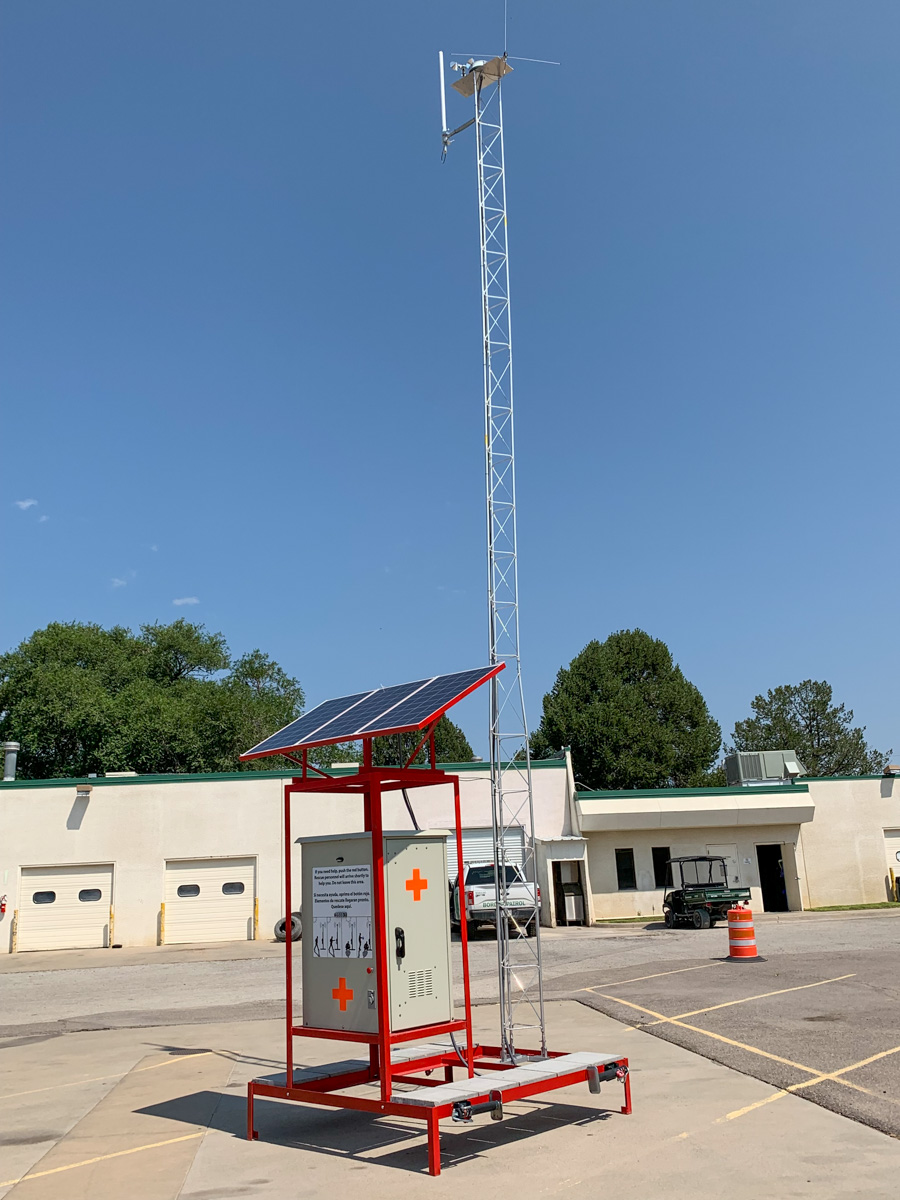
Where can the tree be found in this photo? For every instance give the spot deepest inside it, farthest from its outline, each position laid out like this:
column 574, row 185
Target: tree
column 802, row 717
column 84, row 699
column 450, row 745
column 631, row 718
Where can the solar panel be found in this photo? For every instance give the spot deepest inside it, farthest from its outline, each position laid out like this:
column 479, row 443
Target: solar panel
column 374, row 714
column 305, row 727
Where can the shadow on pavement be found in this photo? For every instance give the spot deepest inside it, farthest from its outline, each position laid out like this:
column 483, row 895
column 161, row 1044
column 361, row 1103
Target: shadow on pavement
column 351, row 1135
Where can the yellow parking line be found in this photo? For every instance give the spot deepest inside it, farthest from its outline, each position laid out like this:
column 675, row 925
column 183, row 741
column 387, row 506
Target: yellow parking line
column 762, row 996
column 99, row 1078
column 824, row 1077
column 819, row 1076
column 661, row 1019
column 187, row 1137
column 740, row 1112
column 864, row 1062
column 658, row 975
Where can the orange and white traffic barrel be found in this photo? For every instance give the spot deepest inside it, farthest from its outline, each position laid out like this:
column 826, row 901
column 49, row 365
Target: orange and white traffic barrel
column 741, row 936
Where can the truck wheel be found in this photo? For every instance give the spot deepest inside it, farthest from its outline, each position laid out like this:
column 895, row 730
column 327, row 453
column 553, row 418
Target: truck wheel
column 471, row 929
column 296, row 928
column 700, row 918
column 669, row 919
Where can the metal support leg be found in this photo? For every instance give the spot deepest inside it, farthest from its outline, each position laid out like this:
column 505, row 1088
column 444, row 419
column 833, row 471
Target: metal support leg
column 626, row 1109
column 448, row 1073
column 434, row 1144
column 251, row 1132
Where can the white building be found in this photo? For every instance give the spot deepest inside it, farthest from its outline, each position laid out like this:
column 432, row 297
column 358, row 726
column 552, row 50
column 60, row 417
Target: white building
column 807, row 844
column 138, row 860
column 142, row 860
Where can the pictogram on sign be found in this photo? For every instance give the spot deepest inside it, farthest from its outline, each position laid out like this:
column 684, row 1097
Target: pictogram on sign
column 342, row 993
column 416, row 885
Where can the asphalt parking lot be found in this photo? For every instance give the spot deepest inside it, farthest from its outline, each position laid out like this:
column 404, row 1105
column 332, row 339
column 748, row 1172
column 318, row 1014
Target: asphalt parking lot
column 823, row 1024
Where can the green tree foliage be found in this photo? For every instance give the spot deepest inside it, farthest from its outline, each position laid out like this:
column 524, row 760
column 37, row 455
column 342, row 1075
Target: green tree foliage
column 450, row 745
column 630, row 717
column 81, row 698
column 802, row 717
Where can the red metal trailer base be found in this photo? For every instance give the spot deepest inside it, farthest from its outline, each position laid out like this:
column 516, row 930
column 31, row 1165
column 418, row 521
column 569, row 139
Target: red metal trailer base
column 434, row 1099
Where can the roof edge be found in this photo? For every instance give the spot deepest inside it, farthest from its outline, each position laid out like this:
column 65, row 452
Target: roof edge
column 231, row 776
column 624, row 794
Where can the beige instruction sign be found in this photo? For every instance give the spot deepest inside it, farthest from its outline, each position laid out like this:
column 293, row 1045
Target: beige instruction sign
column 342, row 911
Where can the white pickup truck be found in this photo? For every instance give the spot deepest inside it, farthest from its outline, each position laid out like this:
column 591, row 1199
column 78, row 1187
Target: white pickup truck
column 481, row 897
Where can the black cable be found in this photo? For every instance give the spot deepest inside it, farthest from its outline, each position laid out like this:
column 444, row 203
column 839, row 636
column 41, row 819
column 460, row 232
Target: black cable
column 409, row 809
column 460, row 1056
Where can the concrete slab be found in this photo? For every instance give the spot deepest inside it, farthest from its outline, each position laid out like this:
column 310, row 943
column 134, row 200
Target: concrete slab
column 143, row 1114
column 683, row 1129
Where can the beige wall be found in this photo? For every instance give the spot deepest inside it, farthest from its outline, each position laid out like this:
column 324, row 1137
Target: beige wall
column 646, row 901
column 837, row 834
column 842, row 849
column 137, row 826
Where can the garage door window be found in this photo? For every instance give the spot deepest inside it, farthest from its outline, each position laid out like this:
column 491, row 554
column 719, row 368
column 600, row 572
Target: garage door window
column 232, row 889
column 43, row 897
column 188, row 889
column 88, row 894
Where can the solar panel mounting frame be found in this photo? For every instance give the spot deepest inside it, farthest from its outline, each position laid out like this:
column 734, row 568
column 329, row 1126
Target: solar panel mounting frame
column 310, row 741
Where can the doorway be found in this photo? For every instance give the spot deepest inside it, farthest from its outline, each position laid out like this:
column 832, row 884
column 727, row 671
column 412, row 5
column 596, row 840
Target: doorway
column 559, row 899
column 569, row 906
column 771, row 878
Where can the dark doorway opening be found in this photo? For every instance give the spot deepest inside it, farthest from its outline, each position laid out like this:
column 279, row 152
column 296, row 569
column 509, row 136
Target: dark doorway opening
column 771, row 878
column 559, row 899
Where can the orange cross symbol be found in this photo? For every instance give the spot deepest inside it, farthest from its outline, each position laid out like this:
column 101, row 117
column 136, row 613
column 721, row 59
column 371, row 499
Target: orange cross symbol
column 416, row 885
column 342, row 993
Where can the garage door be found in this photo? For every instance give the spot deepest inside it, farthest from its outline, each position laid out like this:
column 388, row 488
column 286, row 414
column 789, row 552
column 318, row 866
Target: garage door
column 478, row 847
column 210, row 899
column 64, row 907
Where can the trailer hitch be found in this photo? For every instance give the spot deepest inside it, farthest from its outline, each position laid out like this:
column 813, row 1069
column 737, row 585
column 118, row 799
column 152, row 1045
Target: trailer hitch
column 595, row 1076
column 464, row 1110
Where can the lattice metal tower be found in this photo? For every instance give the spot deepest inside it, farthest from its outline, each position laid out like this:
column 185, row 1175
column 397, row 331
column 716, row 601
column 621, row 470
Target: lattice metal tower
column 519, row 956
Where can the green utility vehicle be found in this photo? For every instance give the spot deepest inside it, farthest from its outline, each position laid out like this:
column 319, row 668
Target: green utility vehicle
column 697, row 892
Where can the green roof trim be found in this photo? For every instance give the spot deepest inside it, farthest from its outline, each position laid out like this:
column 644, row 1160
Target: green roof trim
column 235, row 776
column 674, row 793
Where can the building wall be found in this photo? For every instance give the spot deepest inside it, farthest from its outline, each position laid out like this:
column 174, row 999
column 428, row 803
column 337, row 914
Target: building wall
column 843, row 848
column 138, row 823
column 646, row 900
column 836, row 834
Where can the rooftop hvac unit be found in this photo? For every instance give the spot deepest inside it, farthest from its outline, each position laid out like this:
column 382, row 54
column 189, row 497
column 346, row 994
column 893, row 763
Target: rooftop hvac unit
column 762, row 766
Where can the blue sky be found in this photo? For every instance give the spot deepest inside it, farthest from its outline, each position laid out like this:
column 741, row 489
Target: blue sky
column 240, row 322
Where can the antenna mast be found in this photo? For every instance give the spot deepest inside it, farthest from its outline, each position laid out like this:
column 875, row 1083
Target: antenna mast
column 512, row 810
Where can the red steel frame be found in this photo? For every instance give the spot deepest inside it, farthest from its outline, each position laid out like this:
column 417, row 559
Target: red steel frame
column 371, row 782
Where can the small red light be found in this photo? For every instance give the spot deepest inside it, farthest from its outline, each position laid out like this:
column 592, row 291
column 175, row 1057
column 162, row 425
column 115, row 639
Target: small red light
column 368, row 970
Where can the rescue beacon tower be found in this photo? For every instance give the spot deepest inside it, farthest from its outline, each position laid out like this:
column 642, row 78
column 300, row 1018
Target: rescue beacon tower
column 519, row 956
column 376, row 940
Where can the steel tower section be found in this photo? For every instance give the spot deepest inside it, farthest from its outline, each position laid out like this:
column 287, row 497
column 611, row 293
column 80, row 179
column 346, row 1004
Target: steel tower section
column 519, row 955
